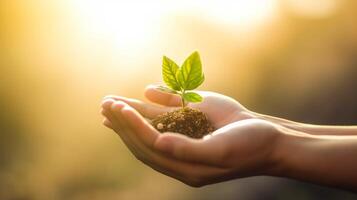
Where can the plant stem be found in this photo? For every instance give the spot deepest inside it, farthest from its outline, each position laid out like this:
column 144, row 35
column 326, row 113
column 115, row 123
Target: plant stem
column 182, row 99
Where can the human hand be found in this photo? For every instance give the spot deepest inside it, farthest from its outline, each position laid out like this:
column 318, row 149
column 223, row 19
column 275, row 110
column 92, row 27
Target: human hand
column 241, row 146
column 220, row 110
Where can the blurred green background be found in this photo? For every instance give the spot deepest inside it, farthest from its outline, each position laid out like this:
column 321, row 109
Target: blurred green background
column 295, row 59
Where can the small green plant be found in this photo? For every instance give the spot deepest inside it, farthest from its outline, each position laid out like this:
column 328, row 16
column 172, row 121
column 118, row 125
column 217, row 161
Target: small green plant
column 180, row 80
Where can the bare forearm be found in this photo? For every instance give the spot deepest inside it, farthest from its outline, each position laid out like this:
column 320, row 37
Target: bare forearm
column 327, row 160
column 309, row 128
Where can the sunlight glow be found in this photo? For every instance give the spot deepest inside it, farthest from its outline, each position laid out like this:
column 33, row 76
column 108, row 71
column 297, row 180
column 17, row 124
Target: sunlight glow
column 314, row 9
column 130, row 24
column 237, row 12
column 135, row 25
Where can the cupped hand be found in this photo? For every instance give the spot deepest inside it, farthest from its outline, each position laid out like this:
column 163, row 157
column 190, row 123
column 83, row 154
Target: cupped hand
column 241, row 146
column 220, row 110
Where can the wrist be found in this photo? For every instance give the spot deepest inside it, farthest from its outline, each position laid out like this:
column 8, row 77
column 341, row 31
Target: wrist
column 286, row 146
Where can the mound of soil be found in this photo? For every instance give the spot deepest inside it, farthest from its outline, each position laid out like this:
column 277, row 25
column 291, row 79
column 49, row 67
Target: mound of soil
column 186, row 121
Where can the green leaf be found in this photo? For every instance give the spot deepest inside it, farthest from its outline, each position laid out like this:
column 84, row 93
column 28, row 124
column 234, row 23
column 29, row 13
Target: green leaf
column 169, row 70
column 192, row 97
column 166, row 89
column 190, row 75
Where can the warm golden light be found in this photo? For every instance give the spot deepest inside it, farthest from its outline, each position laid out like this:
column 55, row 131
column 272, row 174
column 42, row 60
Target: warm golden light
column 237, row 12
column 58, row 59
column 129, row 24
column 316, row 9
column 135, row 25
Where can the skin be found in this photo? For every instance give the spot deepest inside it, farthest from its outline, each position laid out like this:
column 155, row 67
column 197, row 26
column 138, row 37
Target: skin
column 244, row 144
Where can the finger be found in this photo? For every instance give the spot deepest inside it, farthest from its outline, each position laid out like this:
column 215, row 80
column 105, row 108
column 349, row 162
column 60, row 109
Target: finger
column 163, row 98
column 137, row 130
column 129, row 134
column 140, row 127
column 209, row 151
column 110, row 119
column 107, row 123
column 186, row 172
column 119, row 125
column 141, row 135
column 112, row 110
column 147, row 110
column 115, row 112
column 106, row 103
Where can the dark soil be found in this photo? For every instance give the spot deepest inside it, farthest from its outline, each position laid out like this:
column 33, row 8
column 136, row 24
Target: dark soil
column 186, row 121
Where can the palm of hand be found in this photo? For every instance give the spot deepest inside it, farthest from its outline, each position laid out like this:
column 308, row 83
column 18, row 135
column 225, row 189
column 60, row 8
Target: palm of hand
column 221, row 110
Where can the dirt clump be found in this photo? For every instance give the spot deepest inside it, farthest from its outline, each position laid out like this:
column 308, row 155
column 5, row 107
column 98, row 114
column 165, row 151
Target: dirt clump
column 186, row 121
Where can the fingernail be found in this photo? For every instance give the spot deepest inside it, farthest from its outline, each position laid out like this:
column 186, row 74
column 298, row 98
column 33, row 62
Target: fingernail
column 152, row 86
column 107, row 103
column 117, row 106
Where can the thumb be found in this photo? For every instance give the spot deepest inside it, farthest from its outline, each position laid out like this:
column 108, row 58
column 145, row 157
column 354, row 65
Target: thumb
column 159, row 97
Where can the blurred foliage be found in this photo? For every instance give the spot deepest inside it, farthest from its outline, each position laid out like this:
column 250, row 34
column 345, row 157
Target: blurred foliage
column 299, row 63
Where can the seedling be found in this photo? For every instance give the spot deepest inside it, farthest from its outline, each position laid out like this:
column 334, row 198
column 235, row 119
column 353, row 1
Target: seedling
column 181, row 80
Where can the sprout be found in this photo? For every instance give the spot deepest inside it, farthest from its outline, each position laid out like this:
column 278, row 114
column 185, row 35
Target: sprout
column 180, row 80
